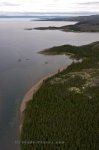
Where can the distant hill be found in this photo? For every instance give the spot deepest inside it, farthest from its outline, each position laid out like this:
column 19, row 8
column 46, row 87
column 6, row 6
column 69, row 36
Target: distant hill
column 75, row 18
column 85, row 24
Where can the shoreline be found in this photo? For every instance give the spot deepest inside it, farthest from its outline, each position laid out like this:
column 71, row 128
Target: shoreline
column 29, row 94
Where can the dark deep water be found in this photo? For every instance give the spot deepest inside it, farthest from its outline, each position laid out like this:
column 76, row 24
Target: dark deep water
column 21, row 66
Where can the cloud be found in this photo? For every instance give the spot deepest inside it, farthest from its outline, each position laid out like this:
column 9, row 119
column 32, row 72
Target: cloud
column 8, row 4
column 89, row 3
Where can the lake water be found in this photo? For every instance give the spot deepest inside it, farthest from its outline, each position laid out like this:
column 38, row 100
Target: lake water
column 21, row 66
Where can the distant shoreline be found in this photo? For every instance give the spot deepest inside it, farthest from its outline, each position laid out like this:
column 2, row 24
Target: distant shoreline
column 83, row 24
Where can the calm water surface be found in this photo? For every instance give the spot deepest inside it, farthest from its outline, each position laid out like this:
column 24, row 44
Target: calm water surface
column 21, row 66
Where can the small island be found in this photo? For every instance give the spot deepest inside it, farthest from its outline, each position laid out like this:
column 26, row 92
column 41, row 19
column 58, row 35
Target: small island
column 64, row 112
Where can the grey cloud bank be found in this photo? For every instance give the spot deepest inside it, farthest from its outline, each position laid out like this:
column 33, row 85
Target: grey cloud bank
column 89, row 3
column 9, row 4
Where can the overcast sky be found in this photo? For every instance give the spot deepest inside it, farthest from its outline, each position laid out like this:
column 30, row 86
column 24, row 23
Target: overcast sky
column 49, row 5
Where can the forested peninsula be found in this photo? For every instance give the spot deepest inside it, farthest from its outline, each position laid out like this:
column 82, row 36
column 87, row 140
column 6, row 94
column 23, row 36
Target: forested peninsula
column 64, row 112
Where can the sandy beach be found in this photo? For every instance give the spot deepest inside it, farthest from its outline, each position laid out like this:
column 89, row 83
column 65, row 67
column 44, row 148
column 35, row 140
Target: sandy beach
column 28, row 96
